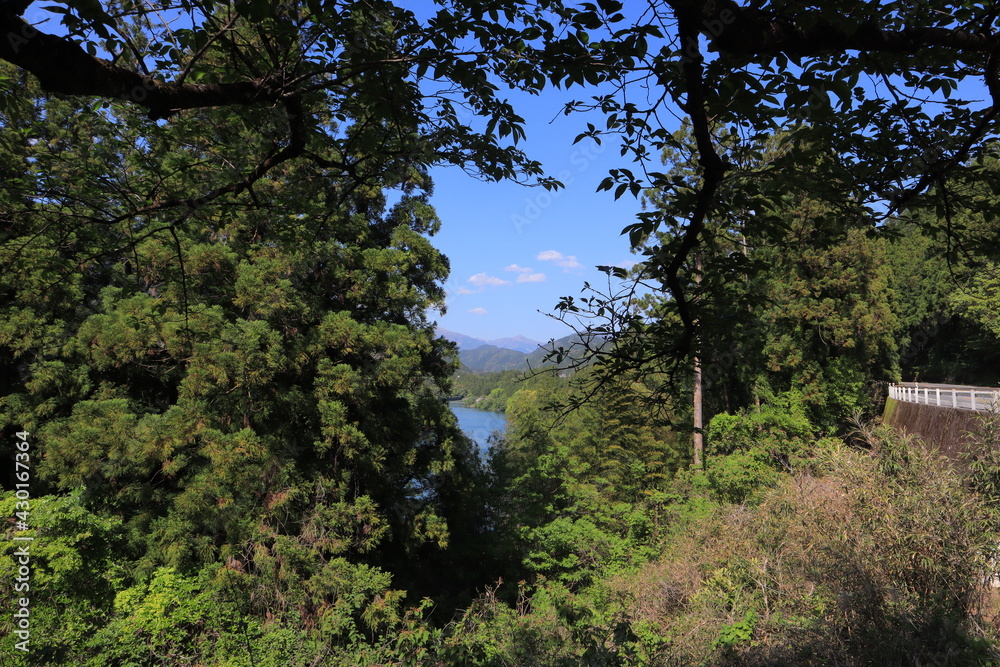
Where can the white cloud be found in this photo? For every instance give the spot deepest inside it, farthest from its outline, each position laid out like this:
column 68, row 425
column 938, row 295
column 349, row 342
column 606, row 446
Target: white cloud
column 525, row 274
column 518, row 269
column 481, row 279
column 567, row 262
column 463, row 290
column 478, row 311
column 531, row 278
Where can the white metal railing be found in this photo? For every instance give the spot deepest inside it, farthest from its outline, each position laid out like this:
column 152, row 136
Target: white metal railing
column 947, row 396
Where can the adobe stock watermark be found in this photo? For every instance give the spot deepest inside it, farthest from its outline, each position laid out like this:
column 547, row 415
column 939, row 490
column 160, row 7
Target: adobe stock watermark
column 919, row 341
column 581, row 159
column 17, row 39
column 939, row 152
column 711, row 28
column 22, row 543
column 819, row 98
column 721, row 363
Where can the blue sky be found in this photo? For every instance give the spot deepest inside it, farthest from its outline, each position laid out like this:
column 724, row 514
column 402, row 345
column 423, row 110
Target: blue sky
column 516, row 250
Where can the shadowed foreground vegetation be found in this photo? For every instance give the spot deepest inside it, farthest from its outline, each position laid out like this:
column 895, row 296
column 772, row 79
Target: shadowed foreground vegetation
column 873, row 553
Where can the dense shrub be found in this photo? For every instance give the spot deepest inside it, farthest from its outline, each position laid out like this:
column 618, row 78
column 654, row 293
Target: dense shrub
column 879, row 560
column 864, row 557
column 748, row 451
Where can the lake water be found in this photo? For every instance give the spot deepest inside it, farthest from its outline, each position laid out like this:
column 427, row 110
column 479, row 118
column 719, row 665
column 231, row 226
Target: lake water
column 478, row 424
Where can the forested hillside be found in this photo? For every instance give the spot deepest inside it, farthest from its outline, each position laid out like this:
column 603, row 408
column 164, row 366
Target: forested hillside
column 221, row 385
column 490, row 358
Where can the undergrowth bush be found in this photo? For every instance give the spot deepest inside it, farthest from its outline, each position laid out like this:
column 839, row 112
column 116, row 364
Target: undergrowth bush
column 748, row 452
column 870, row 556
column 878, row 560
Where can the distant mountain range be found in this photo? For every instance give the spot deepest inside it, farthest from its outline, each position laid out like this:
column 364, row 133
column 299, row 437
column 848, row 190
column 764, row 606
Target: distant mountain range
column 481, row 356
column 517, row 343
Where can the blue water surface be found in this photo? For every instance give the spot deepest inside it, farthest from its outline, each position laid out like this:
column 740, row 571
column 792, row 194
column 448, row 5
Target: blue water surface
column 478, row 424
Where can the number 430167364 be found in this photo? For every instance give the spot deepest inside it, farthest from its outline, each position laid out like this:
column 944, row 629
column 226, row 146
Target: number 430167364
column 21, row 458
column 22, row 473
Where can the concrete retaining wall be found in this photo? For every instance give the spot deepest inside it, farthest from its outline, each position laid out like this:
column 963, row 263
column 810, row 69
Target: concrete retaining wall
column 945, row 428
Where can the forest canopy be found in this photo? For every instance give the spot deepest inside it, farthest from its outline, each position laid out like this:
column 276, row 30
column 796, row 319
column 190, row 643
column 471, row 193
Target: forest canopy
column 216, row 278
column 884, row 108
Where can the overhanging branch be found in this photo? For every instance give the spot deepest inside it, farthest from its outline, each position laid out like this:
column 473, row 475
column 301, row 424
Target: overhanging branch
column 62, row 66
column 747, row 31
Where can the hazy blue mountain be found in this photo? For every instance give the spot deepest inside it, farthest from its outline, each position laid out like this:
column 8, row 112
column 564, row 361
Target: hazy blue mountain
column 490, row 358
column 572, row 346
column 464, row 342
column 519, row 343
column 502, row 354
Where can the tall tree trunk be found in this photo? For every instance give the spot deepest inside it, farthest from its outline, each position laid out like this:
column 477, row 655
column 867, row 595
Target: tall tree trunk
column 699, row 437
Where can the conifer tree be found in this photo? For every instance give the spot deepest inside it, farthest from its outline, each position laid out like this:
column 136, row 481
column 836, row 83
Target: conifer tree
column 251, row 385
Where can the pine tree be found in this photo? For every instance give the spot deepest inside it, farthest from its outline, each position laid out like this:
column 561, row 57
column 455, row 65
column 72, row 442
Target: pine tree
column 252, row 386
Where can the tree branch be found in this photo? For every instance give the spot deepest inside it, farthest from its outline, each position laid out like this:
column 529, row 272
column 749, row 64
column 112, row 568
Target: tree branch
column 61, row 66
column 747, row 31
column 714, row 169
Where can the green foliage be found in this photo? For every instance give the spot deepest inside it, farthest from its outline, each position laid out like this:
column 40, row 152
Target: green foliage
column 214, row 323
column 943, row 303
column 75, row 568
column 172, row 617
column 982, row 299
column 874, row 556
column 491, row 391
column 790, row 294
column 929, row 539
column 731, row 636
column 983, row 458
column 164, row 617
column 830, row 326
column 779, row 426
column 747, row 452
column 741, row 477
column 575, row 494
column 221, row 400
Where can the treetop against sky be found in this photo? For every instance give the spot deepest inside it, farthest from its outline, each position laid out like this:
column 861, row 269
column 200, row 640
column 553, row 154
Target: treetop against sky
column 895, row 102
